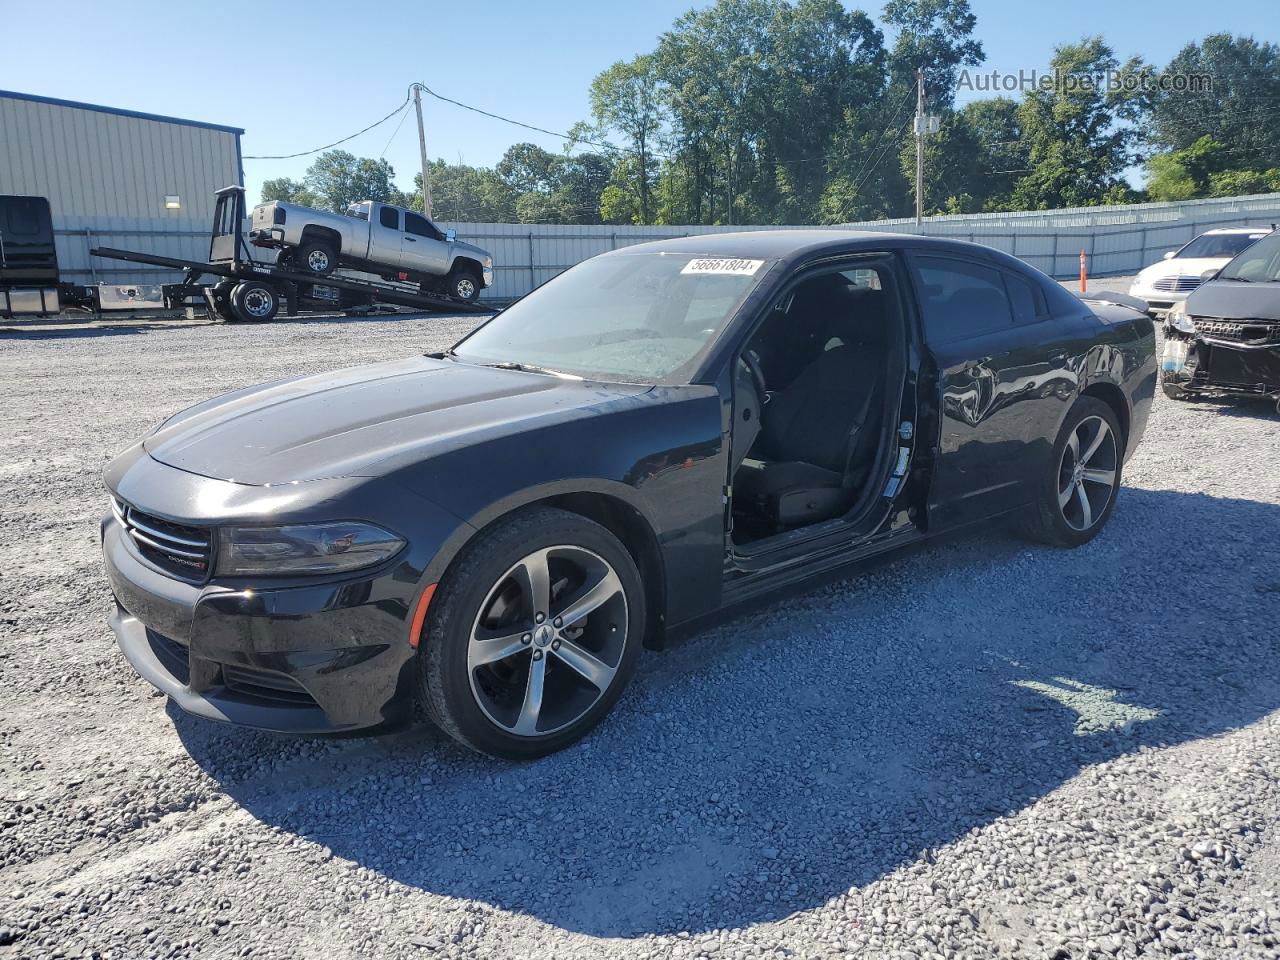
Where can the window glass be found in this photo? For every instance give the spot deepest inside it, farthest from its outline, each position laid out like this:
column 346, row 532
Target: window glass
column 420, row 226
column 1260, row 263
column 389, row 217
column 961, row 299
column 1218, row 244
column 1026, row 298
column 636, row 317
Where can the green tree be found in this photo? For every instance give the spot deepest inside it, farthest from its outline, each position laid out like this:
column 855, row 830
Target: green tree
column 1079, row 134
column 935, row 36
column 338, row 178
column 1239, row 110
column 626, row 98
column 1185, row 174
column 291, row 191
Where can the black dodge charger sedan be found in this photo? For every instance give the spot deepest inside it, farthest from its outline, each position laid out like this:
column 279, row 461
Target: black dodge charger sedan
column 494, row 532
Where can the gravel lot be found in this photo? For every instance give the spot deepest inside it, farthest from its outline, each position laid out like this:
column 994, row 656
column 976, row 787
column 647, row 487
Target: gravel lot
column 982, row 749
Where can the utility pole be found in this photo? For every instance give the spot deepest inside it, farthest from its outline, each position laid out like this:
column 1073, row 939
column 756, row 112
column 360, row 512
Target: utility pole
column 422, row 146
column 920, row 125
column 925, row 123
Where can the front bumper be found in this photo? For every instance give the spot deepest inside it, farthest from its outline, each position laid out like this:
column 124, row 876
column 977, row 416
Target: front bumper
column 322, row 658
column 1214, row 365
column 1158, row 301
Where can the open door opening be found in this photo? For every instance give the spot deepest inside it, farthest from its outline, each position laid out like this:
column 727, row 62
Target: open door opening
column 816, row 395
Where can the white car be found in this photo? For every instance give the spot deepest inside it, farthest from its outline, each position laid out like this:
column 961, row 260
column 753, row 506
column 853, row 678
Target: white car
column 1168, row 282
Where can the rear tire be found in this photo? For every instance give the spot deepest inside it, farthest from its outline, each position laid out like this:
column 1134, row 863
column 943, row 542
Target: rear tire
column 315, row 257
column 546, row 676
column 254, row 302
column 1076, row 495
column 221, row 294
column 464, row 284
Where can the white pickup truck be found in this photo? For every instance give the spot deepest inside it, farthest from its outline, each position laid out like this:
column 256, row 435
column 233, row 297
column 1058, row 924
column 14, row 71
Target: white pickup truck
column 373, row 237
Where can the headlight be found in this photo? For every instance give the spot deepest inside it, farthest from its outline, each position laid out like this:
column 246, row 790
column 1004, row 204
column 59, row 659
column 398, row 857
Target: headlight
column 1180, row 320
column 303, row 548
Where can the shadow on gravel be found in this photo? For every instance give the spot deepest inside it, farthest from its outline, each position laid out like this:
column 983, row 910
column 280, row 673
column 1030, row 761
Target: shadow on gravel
column 778, row 760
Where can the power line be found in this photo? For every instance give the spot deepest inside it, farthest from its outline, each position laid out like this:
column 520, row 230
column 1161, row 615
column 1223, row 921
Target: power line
column 529, row 126
column 327, row 146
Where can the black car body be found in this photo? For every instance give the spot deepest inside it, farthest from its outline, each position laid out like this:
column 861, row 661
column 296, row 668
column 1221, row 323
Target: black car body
column 1225, row 338
column 968, row 422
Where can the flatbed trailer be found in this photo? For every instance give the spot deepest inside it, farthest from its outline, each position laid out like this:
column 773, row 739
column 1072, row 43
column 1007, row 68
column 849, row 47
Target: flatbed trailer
column 252, row 290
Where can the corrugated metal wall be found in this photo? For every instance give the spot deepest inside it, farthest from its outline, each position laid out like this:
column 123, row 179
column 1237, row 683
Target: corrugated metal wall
column 1116, row 240
column 109, row 173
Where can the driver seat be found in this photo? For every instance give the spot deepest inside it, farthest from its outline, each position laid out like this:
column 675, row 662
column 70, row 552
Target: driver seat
column 819, row 434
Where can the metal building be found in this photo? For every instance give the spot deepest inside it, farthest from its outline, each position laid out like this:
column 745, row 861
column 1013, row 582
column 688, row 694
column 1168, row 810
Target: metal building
column 116, row 178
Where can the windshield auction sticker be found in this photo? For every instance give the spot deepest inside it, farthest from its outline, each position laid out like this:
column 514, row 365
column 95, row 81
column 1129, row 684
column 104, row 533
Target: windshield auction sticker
column 724, row 266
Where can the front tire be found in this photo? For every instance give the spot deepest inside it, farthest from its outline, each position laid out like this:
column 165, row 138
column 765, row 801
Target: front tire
column 464, row 285
column 533, row 635
column 1077, row 493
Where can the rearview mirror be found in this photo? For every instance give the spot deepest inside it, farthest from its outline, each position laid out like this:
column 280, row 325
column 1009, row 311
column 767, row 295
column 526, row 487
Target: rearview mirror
column 451, row 235
column 1169, row 254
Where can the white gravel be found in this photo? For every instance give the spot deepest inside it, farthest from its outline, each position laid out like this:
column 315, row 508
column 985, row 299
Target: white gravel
column 982, row 749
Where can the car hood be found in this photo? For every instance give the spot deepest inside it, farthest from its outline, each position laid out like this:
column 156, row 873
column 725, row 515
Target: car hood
column 461, row 246
column 347, row 422
column 1183, row 267
column 1232, row 300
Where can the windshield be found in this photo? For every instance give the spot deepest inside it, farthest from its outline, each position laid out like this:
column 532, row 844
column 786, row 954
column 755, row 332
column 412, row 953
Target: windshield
column 647, row 318
column 1218, row 245
column 1259, row 263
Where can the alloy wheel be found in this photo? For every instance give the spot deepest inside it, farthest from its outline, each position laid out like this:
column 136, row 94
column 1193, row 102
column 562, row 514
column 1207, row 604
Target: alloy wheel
column 465, row 288
column 317, row 261
column 1088, row 472
column 548, row 640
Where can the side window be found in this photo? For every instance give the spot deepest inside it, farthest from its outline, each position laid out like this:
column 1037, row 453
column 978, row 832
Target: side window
column 389, row 217
column 961, row 299
column 1026, row 298
column 420, row 226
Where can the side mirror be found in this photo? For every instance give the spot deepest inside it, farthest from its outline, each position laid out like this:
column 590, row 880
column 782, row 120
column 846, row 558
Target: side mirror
column 1169, row 254
column 450, row 235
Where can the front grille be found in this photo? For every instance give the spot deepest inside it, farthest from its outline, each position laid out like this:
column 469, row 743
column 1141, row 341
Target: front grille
column 1177, row 284
column 184, row 551
column 264, row 684
column 1239, row 331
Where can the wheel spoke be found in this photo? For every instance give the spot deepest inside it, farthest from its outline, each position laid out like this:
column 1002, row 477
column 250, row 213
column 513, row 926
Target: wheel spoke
column 604, row 590
column 1086, row 508
column 1065, row 495
column 537, row 582
column 531, row 709
column 595, row 670
column 1073, row 444
column 1097, row 475
column 496, row 648
column 1102, row 433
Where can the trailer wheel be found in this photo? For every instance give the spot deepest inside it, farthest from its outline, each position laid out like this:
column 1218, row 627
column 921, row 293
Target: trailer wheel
column 255, row 302
column 315, row 257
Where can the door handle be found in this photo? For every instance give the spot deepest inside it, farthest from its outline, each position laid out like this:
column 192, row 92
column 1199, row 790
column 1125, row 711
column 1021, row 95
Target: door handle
column 1058, row 358
column 411, row 239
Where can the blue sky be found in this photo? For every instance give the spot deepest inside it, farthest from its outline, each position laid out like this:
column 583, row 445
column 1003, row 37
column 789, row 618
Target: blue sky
column 299, row 76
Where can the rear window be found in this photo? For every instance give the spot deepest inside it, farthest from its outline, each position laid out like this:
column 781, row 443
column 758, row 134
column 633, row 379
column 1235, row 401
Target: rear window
column 1026, row 298
column 389, row 217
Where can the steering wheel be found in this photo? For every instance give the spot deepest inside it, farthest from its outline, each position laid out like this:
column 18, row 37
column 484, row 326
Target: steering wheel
column 751, row 360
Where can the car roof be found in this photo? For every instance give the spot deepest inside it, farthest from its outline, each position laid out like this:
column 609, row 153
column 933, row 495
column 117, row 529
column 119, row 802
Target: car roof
column 796, row 245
